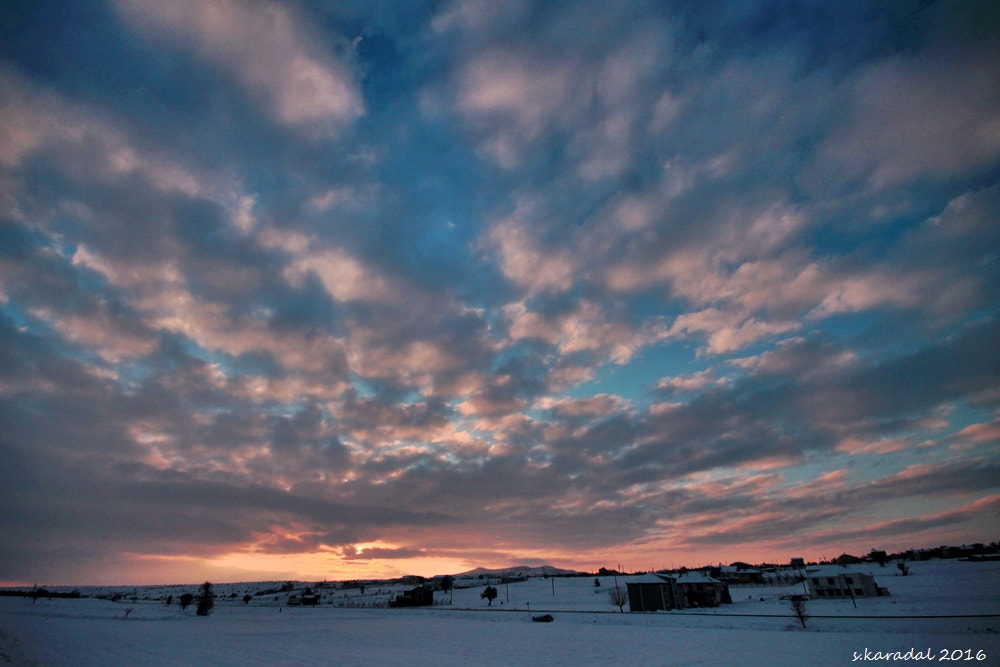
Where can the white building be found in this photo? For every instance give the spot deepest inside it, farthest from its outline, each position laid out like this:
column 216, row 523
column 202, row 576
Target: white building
column 834, row 582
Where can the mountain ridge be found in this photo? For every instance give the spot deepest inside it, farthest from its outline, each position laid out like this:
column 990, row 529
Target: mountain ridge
column 519, row 570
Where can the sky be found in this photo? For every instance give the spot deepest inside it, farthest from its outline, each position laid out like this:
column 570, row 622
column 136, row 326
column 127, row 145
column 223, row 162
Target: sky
column 314, row 290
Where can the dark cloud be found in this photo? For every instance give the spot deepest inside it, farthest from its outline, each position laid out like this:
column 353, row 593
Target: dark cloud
column 380, row 553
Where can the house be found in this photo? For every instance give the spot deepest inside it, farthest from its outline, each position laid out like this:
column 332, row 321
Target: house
column 655, row 592
column 957, row 552
column 842, row 582
column 421, row 596
column 878, row 556
column 700, row 590
column 740, row 573
column 307, row 598
column 797, row 563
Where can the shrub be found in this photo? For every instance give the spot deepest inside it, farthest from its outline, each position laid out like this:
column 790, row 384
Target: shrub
column 206, row 599
column 798, row 603
column 618, row 596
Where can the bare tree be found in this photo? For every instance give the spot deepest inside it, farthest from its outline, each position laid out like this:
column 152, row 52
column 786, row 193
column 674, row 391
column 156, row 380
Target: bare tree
column 798, row 603
column 618, row 596
column 447, row 585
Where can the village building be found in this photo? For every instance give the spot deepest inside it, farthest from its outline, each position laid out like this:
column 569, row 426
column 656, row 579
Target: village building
column 700, row 590
column 878, row 556
column 739, row 573
column 421, row 596
column 655, row 592
column 307, row 598
column 841, row 582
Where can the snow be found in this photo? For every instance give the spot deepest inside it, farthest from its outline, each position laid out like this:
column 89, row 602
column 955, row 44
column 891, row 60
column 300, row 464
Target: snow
column 587, row 630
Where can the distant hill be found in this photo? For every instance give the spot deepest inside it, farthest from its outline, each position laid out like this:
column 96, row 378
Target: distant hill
column 519, row 570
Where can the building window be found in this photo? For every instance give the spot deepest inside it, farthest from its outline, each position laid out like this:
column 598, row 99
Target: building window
column 859, row 592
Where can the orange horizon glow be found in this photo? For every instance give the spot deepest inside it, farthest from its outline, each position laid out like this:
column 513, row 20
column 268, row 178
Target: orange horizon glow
column 246, row 566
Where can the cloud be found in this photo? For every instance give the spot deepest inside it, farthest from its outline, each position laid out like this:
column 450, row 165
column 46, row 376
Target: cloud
column 526, row 264
column 268, row 49
column 513, row 89
column 292, row 282
column 555, row 75
column 692, row 382
column 36, row 120
column 910, row 116
column 381, row 553
column 584, row 328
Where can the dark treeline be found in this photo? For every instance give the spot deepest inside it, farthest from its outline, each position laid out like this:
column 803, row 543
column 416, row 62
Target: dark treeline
column 39, row 593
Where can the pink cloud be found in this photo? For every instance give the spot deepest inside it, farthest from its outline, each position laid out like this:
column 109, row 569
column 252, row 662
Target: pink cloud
column 586, row 328
column 822, row 484
column 33, row 118
column 980, row 433
column 690, row 382
column 515, row 95
column 524, row 262
column 917, row 115
column 857, row 446
column 593, row 406
column 986, row 504
column 727, row 331
column 266, row 48
column 709, row 485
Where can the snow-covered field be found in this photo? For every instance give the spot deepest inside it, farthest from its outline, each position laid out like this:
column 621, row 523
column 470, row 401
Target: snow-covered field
column 756, row 629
